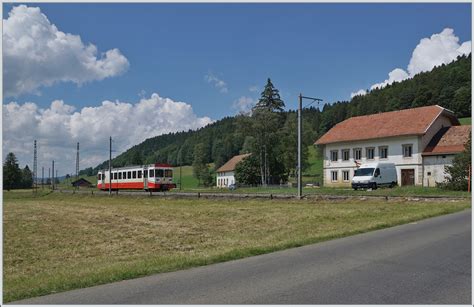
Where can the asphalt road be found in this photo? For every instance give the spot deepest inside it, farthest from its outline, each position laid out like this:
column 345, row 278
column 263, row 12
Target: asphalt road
column 427, row 262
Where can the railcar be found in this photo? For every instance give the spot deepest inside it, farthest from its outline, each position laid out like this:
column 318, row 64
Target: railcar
column 152, row 177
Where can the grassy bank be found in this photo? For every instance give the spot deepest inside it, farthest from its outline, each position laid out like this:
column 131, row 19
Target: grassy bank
column 58, row 242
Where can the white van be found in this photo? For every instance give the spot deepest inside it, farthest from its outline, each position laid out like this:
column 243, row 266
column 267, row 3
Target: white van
column 373, row 175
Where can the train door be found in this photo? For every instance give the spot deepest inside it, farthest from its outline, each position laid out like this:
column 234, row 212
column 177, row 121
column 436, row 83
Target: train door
column 102, row 180
column 145, row 178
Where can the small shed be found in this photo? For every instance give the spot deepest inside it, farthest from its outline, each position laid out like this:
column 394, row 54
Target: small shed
column 81, row 182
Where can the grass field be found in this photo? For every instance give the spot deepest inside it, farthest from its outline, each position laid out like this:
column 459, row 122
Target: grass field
column 465, row 121
column 58, row 242
column 188, row 180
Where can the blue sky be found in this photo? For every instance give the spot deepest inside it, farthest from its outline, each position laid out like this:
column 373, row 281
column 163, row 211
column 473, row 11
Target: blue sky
column 84, row 72
column 323, row 50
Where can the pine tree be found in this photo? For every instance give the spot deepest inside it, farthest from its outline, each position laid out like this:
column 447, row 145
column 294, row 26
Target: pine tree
column 11, row 173
column 270, row 99
column 26, row 178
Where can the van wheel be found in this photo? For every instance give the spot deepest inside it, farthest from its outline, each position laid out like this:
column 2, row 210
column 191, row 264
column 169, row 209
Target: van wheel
column 391, row 185
column 374, row 186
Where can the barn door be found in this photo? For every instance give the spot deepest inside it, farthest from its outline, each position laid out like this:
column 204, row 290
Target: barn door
column 408, row 177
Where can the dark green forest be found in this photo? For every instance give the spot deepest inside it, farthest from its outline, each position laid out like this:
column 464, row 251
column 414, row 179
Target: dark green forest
column 447, row 85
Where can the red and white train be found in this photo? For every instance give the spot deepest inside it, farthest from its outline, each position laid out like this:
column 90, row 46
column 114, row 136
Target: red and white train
column 152, row 177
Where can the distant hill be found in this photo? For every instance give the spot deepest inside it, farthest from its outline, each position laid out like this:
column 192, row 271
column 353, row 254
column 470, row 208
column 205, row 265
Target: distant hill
column 447, row 85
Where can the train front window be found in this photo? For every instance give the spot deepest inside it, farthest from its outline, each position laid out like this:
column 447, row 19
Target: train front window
column 152, row 173
column 168, row 173
column 159, row 173
column 98, row 176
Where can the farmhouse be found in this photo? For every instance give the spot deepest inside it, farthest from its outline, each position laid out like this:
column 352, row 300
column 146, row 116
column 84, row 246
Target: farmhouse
column 226, row 174
column 420, row 141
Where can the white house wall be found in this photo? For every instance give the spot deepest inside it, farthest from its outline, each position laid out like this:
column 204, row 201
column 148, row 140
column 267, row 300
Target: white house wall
column 225, row 179
column 395, row 155
column 434, row 168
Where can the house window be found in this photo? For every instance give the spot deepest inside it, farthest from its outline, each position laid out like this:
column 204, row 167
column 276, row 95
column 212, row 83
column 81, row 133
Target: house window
column 407, row 150
column 333, row 175
column 334, row 155
column 383, row 152
column 345, row 176
column 357, row 153
column 345, row 154
column 370, row 152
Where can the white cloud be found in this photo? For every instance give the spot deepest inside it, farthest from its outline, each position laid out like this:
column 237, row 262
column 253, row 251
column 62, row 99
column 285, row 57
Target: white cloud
column 243, row 105
column 36, row 54
column 440, row 48
column 218, row 83
column 59, row 127
column 395, row 75
column 358, row 93
column 253, row 88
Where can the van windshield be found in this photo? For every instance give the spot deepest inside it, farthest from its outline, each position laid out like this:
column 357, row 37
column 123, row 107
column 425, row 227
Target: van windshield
column 364, row 172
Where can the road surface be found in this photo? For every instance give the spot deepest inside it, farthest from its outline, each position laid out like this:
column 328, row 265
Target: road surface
column 427, row 262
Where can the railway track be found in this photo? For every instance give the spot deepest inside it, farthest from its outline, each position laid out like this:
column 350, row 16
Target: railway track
column 229, row 195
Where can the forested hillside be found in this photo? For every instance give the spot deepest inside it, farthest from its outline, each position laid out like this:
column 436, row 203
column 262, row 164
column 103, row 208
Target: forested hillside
column 447, row 85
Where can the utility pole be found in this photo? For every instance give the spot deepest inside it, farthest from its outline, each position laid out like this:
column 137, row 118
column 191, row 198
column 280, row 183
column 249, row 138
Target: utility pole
column 110, row 166
column 77, row 162
column 52, row 181
column 300, row 131
column 35, row 169
column 42, row 177
column 49, row 175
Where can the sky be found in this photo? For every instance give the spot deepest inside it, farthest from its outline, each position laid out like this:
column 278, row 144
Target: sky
column 84, row 72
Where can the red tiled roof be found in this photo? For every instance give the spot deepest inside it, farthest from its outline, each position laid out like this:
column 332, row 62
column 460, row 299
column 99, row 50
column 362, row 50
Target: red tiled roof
column 448, row 140
column 396, row 123
column 230, row 165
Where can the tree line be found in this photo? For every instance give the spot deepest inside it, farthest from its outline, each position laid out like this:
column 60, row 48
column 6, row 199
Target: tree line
column 13, row 176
